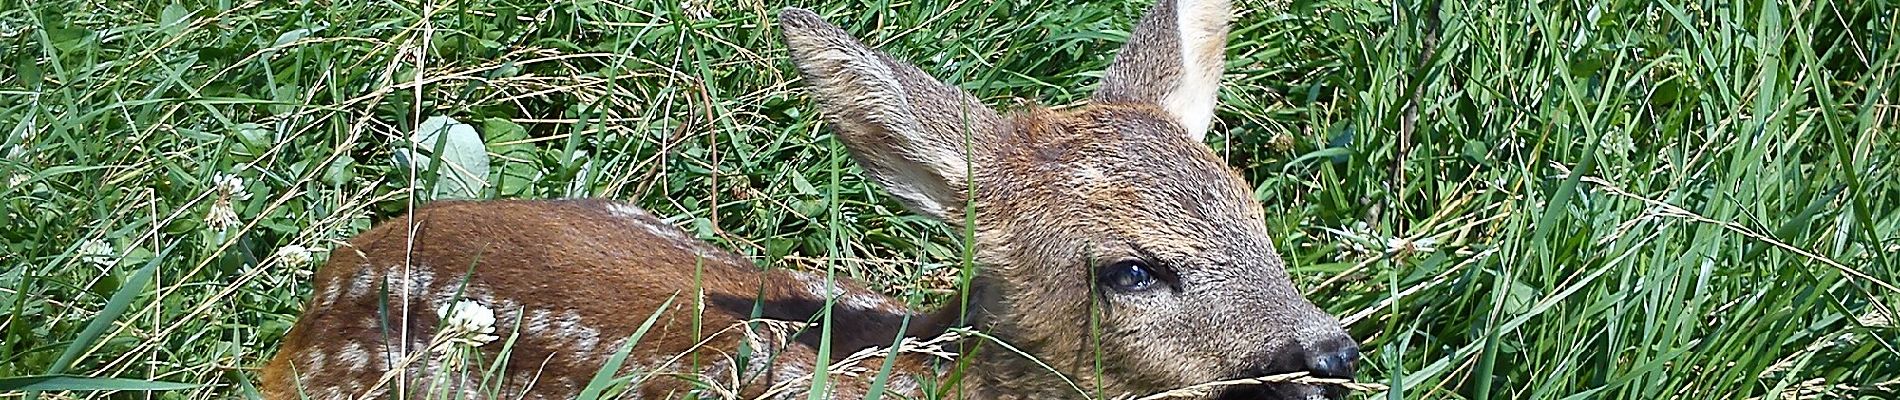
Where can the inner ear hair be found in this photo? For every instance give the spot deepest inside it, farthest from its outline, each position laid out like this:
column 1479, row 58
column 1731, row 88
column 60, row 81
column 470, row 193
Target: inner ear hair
column 909, row 131
column 1173, row 59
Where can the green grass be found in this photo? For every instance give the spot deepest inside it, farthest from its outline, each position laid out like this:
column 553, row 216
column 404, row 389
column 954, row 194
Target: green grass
column 1624, row 199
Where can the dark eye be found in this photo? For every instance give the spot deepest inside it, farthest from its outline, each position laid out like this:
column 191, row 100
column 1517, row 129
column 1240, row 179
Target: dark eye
column 1128, row 276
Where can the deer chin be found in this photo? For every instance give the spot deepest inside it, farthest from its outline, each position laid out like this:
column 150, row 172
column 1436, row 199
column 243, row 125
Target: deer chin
column 1282, row 391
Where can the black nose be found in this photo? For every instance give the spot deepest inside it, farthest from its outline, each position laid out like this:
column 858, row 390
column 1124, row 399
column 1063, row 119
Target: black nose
column 1333, row 358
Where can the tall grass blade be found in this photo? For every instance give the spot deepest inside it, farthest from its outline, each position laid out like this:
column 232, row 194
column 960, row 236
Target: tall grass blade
column 121, row 299
column 59, row 383
column 604, row 378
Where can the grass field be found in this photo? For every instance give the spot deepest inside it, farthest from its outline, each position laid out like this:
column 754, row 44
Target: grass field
column 1619, row 199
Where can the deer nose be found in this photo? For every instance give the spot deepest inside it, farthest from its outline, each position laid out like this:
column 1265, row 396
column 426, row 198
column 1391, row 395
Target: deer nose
column 1333, row 358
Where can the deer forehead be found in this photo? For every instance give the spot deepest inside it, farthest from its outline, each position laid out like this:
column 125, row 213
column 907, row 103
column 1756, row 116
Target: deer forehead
column 1099, row 143
column 1122, row 170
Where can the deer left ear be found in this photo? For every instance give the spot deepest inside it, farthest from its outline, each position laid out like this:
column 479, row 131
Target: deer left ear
column 917, row 137
column 1173, row 59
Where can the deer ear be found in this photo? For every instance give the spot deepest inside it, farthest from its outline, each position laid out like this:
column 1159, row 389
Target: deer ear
column 917, row 137
column 1173, row 59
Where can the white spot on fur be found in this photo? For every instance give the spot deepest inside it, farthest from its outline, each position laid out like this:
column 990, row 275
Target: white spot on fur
column 1202, row 29
column 354, row 357
column 421, row 280
column 628, row 211
column 790, row 371
column 904, row 385
column 863, row 301
column 817, row 286
column 331, row 290
column 657, row 228
column 314, row 362
column 506, row 314
column 583, row 337
column 365, row 282
column 393, row 355
column 589, row 339
column 356, row 386
column 671, row 233
column 538, row 321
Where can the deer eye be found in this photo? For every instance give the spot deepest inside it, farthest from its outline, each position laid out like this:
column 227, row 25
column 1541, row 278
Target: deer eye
column 1127, row 276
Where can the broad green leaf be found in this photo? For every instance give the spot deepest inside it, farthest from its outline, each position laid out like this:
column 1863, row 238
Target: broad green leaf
column 28, row 72
column 463, row 169
column 293, row 36
column 256, row 139
column 516, row 166
column 339, row 171
column 172, row 18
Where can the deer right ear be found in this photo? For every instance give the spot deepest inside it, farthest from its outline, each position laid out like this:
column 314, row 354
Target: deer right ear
column 911, row 133
column 1173, row 59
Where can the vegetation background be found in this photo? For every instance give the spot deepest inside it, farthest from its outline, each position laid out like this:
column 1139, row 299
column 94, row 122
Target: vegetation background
column 1567, row 199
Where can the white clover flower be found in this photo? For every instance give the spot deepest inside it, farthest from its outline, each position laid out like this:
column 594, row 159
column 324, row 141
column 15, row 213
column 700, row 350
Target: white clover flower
column 295, row 255
column 1360, row 236
column 1425, row 245
column 696, row 10
column 98, row 252
column 221, row 216
column 468, row 322
column 17, row 179
column 230, row 186
column 1355, row 239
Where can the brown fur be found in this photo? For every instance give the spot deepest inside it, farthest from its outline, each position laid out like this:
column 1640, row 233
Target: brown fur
column 602, row 271
column 1057, row 197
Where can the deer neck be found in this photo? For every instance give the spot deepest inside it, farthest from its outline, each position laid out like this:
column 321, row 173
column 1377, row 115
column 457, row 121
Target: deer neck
column 991, row 371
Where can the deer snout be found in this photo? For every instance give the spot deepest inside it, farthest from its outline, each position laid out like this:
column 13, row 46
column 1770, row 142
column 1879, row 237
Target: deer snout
column 1334, row 357
column 1328, row 355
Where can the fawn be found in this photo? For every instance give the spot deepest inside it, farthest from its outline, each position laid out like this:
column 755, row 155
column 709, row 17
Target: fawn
column 1115, row 248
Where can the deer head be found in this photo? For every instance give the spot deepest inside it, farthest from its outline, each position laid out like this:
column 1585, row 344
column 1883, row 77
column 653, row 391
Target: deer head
column 1106, row 232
